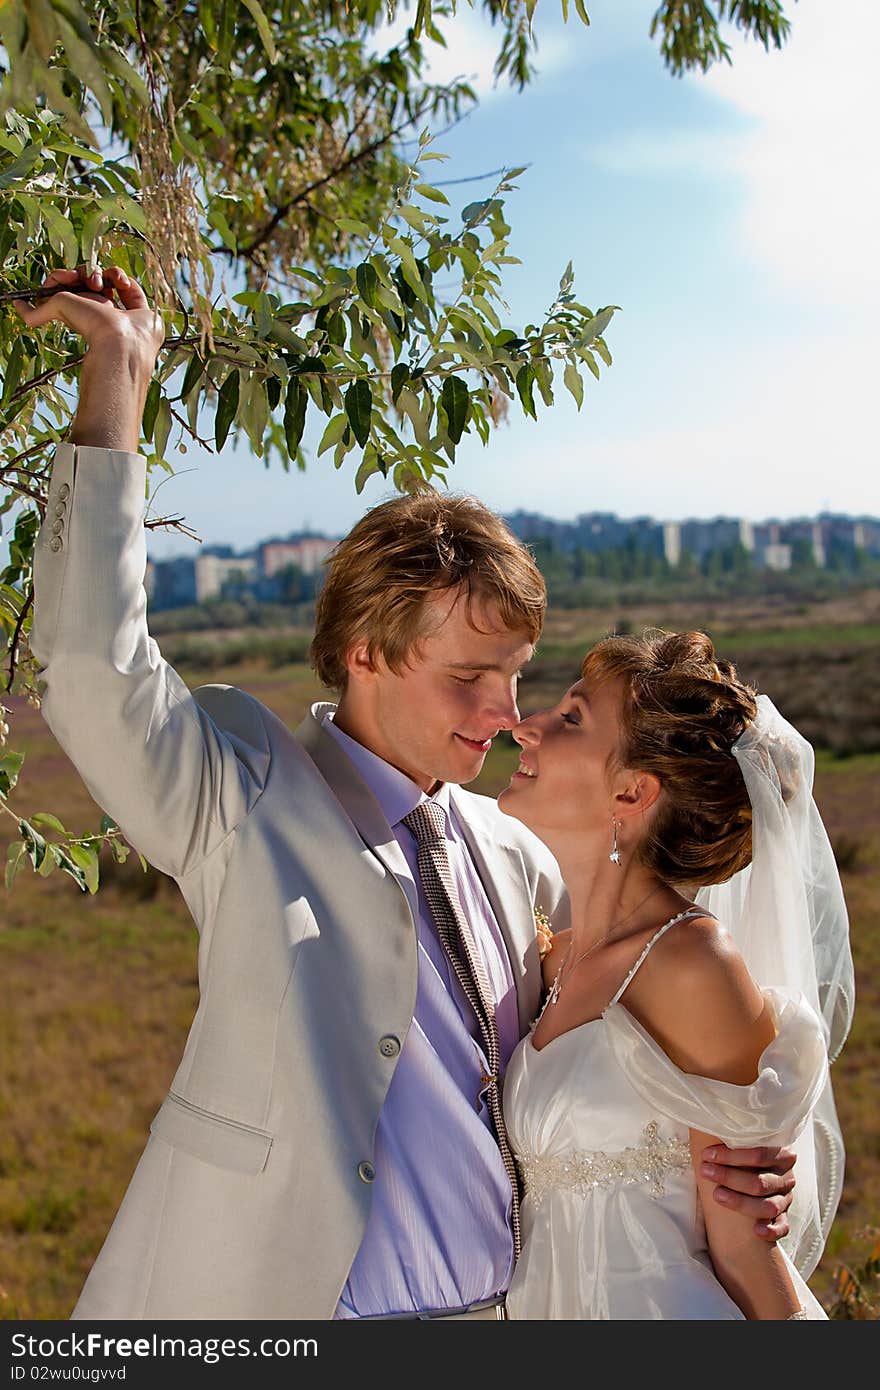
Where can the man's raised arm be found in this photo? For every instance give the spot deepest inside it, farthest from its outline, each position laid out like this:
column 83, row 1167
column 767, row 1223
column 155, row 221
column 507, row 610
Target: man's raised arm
column 175, row 780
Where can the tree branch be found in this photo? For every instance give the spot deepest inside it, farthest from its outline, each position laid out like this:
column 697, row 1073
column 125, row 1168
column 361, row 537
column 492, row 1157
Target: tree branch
column 16, row 636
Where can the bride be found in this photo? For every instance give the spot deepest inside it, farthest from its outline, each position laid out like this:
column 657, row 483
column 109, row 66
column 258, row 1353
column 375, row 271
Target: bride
column 659, row 771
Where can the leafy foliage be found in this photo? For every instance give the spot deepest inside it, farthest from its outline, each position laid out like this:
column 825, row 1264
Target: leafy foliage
column 271, row 143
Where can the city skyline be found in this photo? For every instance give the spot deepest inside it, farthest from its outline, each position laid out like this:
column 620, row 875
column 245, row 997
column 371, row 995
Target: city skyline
column 777, row 544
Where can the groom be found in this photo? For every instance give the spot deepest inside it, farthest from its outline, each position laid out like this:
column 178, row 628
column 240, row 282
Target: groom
column 332, row 1142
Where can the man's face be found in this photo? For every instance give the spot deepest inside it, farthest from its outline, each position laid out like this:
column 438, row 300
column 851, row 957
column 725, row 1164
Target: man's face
column 435, row 719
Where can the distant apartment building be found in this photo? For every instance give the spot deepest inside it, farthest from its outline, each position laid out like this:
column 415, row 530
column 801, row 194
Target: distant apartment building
column 306, row 552
column 173, row 583
column 218, row 570
column 592, row 531
column 866, row 535
column 214, row 572
column 774, row 557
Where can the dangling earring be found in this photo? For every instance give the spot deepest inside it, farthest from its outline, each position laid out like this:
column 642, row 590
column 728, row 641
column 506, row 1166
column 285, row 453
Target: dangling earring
column 614, row 856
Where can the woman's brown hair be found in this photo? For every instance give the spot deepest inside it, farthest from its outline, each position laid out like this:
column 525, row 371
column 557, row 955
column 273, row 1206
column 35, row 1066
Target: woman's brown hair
column 400, row 553
column 683, row 709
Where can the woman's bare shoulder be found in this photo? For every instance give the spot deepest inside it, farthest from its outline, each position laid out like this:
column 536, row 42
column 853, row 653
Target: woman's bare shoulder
column 698, row 1000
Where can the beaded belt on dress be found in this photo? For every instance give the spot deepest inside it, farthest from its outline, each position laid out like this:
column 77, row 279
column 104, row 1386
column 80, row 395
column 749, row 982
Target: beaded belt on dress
column 582, row 1171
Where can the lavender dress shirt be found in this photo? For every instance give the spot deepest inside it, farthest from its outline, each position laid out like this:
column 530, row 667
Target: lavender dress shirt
column 439, row 1233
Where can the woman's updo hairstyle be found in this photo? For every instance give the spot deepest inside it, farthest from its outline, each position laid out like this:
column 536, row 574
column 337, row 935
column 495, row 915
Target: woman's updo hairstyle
column 683, row 710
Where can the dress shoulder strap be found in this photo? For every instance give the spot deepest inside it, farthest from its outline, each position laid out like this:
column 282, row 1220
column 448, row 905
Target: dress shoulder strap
column 689, row 912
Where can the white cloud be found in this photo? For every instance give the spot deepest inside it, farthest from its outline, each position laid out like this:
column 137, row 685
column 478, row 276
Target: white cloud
column 813, row 202
column 806, row 155
column 676, row 151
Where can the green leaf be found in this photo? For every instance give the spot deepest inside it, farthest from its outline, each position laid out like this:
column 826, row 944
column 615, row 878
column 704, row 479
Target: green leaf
column 87, row 859
column 415, row 218
column 151, row 409
column 353, row 226
column 368, row 467
column 227, row 406
column 108, row 825
column 50, row 862
column 336, row 428
column 84, row 62
column 162, row 427
column 192, row 375
column 455, row 399
column 427, row 190
column 14, row 366
column 525, row 382
column 582, row 12
column 34, row 843
column 600, row 346
column 218, row 220
column 61, row 234
column 544, row 380
column 586, row 356
column 573, row 380
column 475, row 213
column 46, row 818
column 21, row 166
column 67, row 866
column 359, row 409
column 14, row 860
column 367, row 283
column 121, row 68
column 92, row 228
column 595, row 327
column 294, row 415
column 408, row 267
column 408, row 405
column 399, row 376
column 10, row 767
column 210, row 118
column 265, row 32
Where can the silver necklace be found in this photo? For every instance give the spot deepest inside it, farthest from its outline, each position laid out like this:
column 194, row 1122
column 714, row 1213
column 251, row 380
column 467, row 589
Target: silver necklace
column 556, row 987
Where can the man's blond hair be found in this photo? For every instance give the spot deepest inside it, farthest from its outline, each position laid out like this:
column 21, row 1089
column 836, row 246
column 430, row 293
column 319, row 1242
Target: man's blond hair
column 400, row 554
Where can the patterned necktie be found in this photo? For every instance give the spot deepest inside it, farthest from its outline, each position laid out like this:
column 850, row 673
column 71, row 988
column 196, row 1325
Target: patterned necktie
column 428, row 824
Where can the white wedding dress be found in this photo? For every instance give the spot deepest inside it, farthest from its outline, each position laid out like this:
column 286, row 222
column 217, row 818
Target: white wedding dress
column 599, row 1121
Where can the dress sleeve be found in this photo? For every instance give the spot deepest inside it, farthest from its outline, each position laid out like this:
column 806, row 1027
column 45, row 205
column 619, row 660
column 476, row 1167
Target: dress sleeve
column 773, row 1110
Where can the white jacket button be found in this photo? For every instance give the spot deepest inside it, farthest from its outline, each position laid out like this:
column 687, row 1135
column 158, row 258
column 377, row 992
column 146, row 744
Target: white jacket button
column 389, row 1046
column 366, row 1171
column 56, row 543
column 63, row 492
column 57, row 527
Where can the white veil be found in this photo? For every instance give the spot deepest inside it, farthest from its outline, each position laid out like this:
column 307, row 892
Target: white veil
column 787, row 915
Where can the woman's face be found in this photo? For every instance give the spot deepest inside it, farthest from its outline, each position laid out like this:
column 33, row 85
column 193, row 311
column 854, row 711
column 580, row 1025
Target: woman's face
column 569, row 765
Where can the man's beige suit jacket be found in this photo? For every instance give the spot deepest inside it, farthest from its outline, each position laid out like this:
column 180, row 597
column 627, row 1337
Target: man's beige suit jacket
column 251, row 1197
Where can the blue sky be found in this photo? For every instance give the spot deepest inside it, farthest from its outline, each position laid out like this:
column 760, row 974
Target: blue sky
column 733, row 216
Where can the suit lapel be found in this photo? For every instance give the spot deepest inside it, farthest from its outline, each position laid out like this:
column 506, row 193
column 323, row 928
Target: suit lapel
column 357, row 800
column 503, row 876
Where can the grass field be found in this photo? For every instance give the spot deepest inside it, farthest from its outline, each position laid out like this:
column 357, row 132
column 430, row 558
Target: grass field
column 96, row 993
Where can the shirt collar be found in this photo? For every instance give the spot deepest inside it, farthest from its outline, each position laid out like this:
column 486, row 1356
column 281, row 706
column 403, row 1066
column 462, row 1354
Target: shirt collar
column 396, row 793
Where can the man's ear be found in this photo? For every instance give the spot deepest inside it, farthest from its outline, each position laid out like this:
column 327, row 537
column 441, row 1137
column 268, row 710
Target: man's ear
column 358, row 662
column 639, row 792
